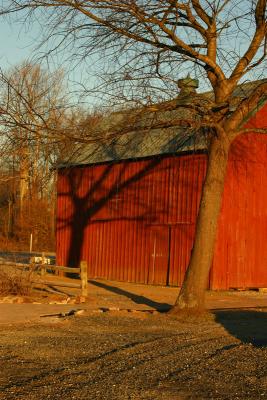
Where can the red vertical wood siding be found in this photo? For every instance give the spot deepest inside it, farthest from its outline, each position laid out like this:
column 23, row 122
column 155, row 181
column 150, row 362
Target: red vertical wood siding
column 137, row 218
column 241, row 252
column 133, row 221
column 240, row 259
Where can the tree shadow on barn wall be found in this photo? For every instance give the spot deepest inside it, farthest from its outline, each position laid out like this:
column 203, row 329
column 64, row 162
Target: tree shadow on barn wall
column 249, row 326
column 96, row 202
column 110, row 191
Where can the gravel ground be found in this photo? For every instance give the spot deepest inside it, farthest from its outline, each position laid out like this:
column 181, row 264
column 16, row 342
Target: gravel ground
column 117, row 355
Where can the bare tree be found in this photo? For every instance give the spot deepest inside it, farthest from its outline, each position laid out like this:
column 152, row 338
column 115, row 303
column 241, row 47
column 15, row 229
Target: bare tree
column 146, row 46
column 38, row 126
column 33, row 104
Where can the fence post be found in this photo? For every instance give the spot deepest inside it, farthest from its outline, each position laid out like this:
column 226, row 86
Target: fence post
column 84, row 278
column 43, row 267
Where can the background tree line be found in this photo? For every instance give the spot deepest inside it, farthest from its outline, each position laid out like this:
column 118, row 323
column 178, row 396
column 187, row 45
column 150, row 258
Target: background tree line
column 37, row 128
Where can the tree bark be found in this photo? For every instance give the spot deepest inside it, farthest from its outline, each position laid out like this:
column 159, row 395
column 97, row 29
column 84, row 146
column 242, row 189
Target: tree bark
column 24, row 186
column 192, row 294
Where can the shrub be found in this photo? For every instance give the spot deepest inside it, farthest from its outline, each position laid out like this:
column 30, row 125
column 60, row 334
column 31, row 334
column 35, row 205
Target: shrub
column 15, row 283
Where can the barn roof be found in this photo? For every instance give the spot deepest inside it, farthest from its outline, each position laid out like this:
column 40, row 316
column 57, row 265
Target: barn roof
column 158, row 130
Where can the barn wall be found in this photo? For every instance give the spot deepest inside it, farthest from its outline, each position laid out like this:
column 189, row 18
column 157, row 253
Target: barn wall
column 240, row 259
column 241, row 252
column 132, row 228
column 135, row 220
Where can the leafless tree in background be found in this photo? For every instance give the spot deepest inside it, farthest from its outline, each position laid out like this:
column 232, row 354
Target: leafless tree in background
column 38, row 127
column 33, row 104
column 143, row 47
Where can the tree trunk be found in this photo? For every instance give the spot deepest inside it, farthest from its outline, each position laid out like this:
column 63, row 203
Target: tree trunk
column 192, row 294
column 23, row 189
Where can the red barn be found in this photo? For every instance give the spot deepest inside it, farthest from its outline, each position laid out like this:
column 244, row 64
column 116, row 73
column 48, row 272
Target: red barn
column 129, row 208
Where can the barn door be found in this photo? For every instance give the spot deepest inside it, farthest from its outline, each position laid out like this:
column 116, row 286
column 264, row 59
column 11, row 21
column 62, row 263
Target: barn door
column 182, row 238
column 159, row 255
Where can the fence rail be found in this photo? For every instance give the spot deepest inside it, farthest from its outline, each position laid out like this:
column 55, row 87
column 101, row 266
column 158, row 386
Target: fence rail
column 59, row 268
column 45, row 268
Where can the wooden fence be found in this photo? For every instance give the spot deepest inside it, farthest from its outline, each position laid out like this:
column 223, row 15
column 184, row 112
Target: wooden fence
column 45, row 269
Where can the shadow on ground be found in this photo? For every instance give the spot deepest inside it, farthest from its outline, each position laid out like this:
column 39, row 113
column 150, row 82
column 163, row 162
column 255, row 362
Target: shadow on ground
column 247, row 326
column 161, row 307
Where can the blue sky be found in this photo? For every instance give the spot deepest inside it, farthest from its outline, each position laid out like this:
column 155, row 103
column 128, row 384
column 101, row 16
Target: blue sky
column 19, row 43
column 16, row 44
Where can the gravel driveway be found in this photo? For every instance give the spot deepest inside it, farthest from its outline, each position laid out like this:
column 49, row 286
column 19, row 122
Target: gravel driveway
column 117, row 355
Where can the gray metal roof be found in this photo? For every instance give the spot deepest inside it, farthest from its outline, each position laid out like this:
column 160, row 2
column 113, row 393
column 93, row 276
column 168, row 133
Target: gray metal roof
column 136, row 134
column 131, row 146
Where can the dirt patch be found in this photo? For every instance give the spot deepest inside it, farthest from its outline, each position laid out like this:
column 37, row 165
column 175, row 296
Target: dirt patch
column 116, row 296
column 136, row 356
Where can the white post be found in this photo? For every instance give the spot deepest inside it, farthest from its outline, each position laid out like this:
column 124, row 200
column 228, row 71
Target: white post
column 31, row 243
